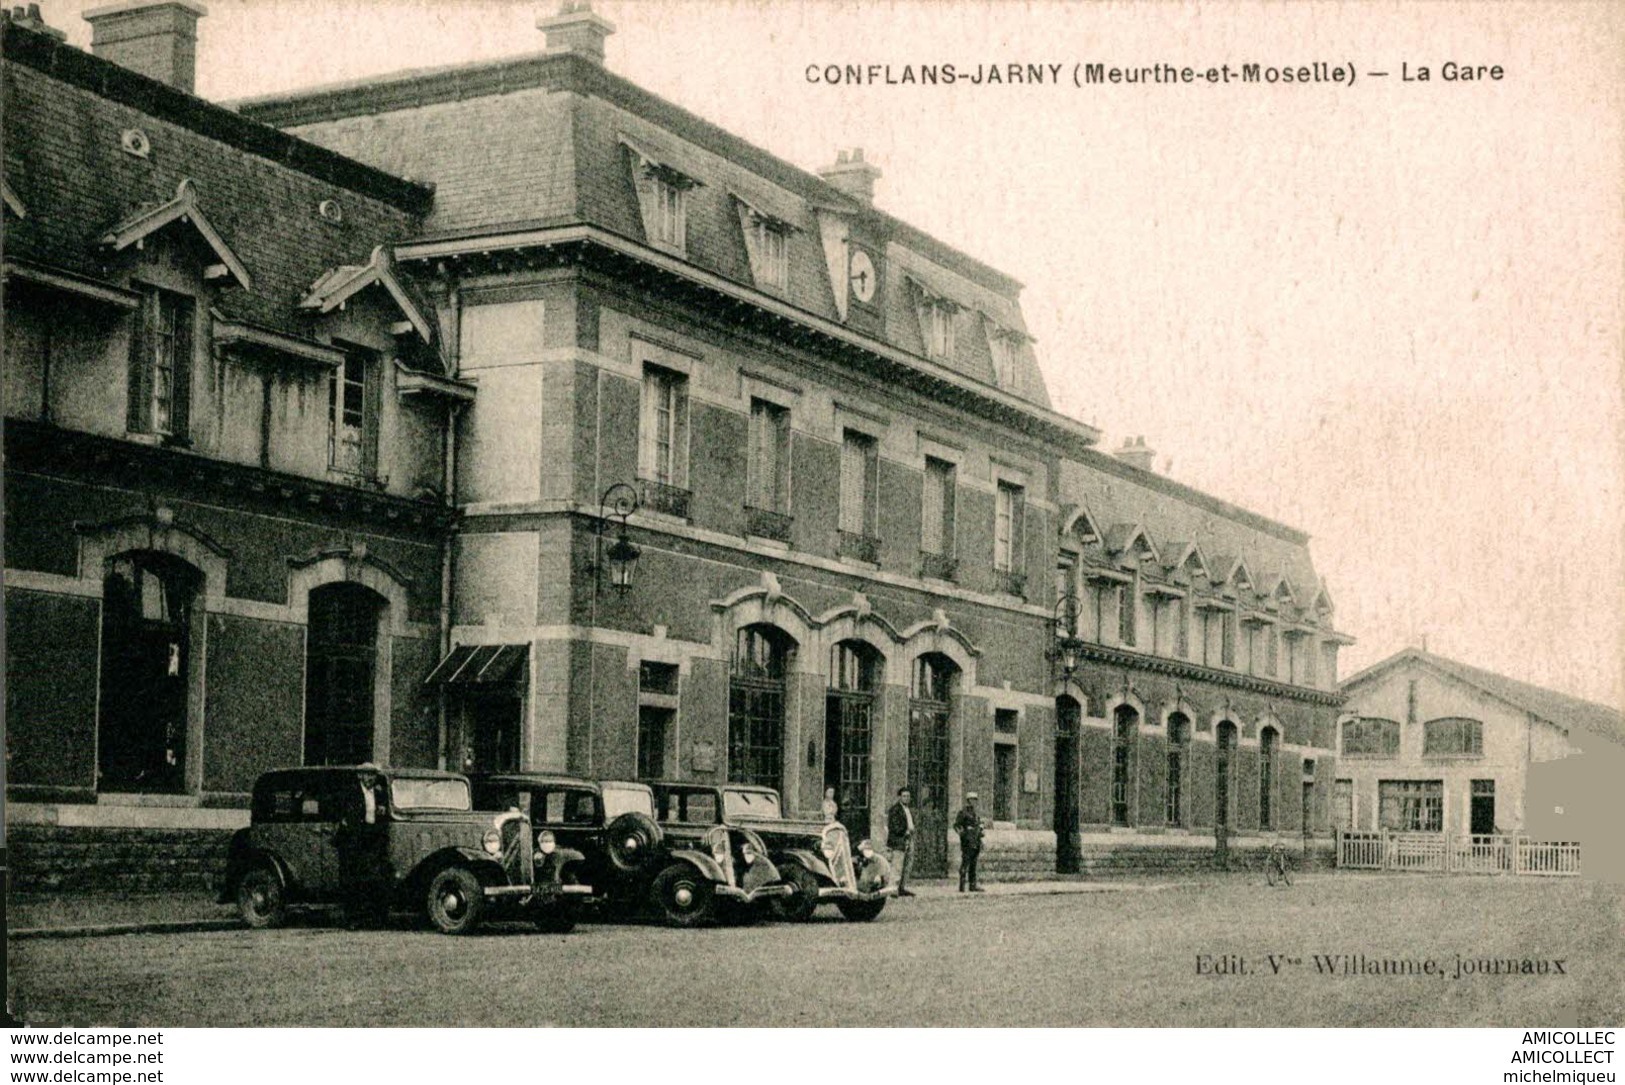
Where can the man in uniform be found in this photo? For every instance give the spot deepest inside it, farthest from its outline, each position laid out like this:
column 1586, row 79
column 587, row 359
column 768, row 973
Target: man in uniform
column 968, row 824
column 900, row 838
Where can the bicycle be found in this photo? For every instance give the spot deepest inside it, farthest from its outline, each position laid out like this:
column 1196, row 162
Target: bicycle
column 1277, row 867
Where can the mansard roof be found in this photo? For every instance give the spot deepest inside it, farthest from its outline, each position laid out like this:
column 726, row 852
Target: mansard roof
column 573, row 135
column 256, row 190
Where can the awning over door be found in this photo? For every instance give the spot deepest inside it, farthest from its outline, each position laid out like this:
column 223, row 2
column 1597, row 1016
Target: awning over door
column 481, row 665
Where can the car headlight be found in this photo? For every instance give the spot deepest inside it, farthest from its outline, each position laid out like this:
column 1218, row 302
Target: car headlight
column 545, row 842
column 493, row 841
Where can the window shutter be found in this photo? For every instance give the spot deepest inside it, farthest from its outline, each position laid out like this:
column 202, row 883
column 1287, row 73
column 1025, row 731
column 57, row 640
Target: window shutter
column 181, row 408
column 141, row 339
column 679, row 433
column 372, row 373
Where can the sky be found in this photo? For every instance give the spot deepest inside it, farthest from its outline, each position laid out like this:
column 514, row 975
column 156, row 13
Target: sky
column 1386, row 313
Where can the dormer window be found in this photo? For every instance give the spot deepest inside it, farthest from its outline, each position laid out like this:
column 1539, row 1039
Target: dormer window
column 767, row 243
column 1003, row 343
column 161, row 365
column 663, row 193
column 938, row 320
column 671, row 214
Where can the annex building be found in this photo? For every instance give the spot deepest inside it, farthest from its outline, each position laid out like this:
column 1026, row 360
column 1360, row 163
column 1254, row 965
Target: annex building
column 1431, row 745
column 609, row 443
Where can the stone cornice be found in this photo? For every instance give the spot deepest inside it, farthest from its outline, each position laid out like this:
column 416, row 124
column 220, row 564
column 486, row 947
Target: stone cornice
column 1180, row 668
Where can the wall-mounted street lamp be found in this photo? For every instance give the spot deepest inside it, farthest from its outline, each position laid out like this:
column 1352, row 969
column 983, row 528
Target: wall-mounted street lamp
column 1067, row 651
column 617, row 557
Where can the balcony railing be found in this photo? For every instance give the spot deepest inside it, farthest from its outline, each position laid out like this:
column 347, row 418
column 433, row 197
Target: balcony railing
column 766, row 524
column 939, row 566
column 663, row 497
column 861, row 547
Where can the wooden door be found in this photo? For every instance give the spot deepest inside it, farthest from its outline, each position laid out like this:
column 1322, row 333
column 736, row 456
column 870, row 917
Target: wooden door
column 928, row 779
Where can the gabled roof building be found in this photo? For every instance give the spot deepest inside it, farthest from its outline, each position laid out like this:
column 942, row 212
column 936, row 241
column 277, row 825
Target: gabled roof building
column 869, row 552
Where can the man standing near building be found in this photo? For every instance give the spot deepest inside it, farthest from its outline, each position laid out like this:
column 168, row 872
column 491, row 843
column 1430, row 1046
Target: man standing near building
column 968, row 824
column 900, row 838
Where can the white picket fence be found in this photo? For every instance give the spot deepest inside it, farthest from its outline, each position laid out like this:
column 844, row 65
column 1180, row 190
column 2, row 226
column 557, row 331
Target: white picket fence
column 1439, row 854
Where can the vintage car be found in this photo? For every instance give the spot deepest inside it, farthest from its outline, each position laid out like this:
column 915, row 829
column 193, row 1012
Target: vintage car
column 815, row 859
column 680, row 873
column 374, row 839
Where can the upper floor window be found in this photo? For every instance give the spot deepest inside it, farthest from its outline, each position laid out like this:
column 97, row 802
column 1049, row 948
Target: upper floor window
column 1127, row 608
column 1370, row 737
column 351, row 422
column 1452, row 736
column 1003, row 346
column 670, row 213
column 937, row 319
column 860, row 483
column 1009, row 510
column 768, row 484
column 937, row 512
column 663, row 427
column 770, row 252
column 161, row 365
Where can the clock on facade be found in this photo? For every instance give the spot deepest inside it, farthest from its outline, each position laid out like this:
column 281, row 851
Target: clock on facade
column 862, row 277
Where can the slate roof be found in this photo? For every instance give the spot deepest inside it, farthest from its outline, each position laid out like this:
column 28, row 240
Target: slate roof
column 258, row 188
column 548, row 140
column 1559, row 708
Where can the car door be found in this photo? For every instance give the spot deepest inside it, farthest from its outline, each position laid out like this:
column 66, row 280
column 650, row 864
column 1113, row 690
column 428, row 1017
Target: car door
column 573, row 815
column 302, row 834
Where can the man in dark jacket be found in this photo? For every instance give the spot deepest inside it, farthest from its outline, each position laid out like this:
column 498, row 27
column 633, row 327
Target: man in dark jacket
column 900, row 838
column 968, row 824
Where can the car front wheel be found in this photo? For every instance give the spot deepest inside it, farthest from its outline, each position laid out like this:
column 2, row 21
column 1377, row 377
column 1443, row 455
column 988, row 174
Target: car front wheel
column 456, row 902
column 261, row 900
column 799, row 906
column 683, row 896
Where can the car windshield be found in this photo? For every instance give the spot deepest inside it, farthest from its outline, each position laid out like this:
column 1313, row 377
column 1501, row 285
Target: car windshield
column 429, row 794
column 756, row 804
column 627, row 800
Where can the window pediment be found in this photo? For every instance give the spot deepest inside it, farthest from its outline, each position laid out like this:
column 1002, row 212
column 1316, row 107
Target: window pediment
column 184, row 208
column 338, row 285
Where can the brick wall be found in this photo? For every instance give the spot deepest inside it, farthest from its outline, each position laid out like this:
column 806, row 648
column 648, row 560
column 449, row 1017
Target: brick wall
column 54, row 859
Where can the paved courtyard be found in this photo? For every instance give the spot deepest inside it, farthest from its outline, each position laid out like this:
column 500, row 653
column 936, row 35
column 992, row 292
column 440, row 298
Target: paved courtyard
column 1170, row 956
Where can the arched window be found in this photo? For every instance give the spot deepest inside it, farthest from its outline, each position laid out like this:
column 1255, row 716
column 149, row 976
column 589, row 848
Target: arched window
column 756, row 706
column 849, row 715
column 341, row 669
column 1179, row 736
column 1124, row 735
column 147, row 601
column 1266, row 778
column 1370, row 737
column 1453, row 736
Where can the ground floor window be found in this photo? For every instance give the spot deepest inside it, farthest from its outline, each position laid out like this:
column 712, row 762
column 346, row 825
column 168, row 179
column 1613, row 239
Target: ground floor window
column 653, row 726
column 1004, row 782
column 340, row 667
column 1415, row 806
column 1343, row 805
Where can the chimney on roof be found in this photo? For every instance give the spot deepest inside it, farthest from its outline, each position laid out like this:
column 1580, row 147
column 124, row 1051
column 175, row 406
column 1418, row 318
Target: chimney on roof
column 575, row 29
column 157, row 38
column 29, row 18
column 1136, row 453
column 853, row 176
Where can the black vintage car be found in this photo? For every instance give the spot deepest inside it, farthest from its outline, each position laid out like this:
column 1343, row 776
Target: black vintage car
column 815, row 859
column 681, row 873
column 375, row 839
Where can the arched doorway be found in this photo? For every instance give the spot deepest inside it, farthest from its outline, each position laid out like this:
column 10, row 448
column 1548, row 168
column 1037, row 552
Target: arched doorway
column 930, row 709
column 1068, row 847
column 756, row 694
column 1267, row 739
column 1125, row 735
column 849, row 715
column 341, row 674
column 1224, row 754
column 147, row 609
